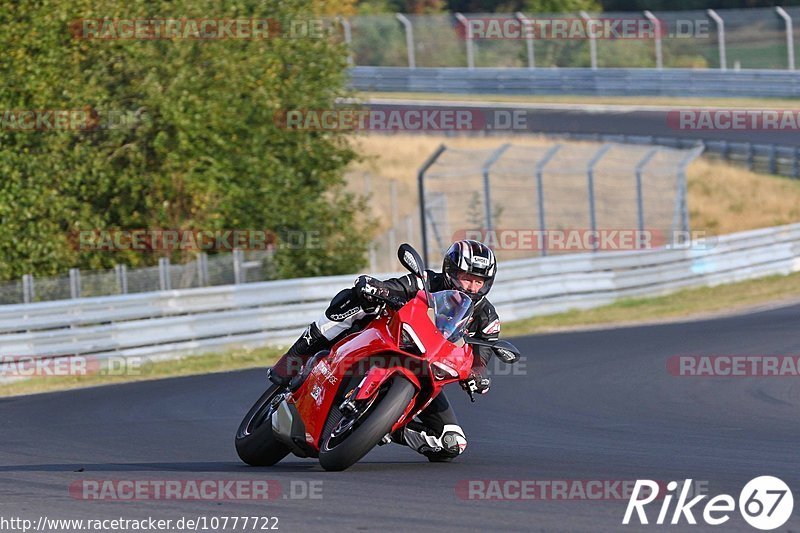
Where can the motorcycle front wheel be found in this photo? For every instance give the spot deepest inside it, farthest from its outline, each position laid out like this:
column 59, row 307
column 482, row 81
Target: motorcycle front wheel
column 348, row 437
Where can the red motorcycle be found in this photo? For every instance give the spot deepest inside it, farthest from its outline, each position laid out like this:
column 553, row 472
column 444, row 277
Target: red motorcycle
column 347, row 400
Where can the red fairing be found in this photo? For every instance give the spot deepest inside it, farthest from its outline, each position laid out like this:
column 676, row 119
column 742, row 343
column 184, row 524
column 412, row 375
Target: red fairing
column 375, row 353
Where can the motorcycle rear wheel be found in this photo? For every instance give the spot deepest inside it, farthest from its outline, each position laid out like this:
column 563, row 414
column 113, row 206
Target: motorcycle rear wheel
column 255, row 442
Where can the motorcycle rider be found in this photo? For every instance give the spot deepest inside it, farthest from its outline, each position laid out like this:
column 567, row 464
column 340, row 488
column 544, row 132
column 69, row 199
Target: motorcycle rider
column 468, row 266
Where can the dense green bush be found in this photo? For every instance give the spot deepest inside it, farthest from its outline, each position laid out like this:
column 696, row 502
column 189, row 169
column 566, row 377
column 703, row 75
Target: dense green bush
column 202, row 150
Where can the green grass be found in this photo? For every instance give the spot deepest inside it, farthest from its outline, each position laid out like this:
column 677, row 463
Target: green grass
column 758, row 55
column 202, row 364
column 684, row 304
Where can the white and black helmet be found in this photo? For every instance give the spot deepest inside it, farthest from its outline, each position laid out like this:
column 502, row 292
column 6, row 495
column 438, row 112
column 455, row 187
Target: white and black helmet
column 473, row 258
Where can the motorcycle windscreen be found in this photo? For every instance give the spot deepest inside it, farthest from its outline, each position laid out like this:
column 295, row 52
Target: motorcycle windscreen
column 452, row 310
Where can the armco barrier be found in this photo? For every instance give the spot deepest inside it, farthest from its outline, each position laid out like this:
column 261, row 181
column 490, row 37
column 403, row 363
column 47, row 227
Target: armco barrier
column 171, row 323
column 581, row 81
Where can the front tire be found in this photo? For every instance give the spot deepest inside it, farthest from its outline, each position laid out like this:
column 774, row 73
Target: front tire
column 339, row 453
column 255, row 442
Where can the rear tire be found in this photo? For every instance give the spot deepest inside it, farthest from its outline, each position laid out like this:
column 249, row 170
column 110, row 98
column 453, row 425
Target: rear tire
column 255, row 442
column 377, row 422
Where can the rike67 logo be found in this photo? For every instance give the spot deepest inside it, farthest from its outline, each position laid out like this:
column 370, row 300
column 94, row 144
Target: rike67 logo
column 765, row 503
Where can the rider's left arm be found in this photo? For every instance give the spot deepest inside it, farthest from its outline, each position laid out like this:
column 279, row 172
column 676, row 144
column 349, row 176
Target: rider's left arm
column 404, row 287
column 488, row 329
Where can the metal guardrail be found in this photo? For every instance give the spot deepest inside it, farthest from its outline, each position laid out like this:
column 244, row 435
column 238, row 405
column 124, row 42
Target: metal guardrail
column 760, row 157
column 191, row 321
column 582, row 81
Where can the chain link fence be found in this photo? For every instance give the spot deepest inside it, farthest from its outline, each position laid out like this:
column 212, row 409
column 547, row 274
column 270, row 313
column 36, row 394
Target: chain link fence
column 757, row 38
column 241, row 266
column 528, row 201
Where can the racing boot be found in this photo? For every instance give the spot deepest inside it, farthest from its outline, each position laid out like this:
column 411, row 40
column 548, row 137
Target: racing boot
column 442, row 449
column 288, row 366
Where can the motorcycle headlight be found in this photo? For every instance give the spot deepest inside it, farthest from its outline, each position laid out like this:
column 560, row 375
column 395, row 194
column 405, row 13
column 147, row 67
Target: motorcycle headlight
column 409, row 341
column 442, row 371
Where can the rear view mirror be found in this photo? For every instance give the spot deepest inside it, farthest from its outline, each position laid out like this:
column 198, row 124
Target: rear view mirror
column 410, row 259
column 506, row 352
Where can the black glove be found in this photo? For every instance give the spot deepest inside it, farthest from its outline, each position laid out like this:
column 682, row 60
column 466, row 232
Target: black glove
column 367, row 288
column 476, row 382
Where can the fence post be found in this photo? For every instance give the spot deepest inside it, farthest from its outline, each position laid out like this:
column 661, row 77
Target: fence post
column 442, row 198
column 409, row 29
column 486, row 187
column 202, row 269
column 238, row 272
column 773, row 159
column 789, row 35
column 348, row 38
column 681, row 207
column 590, row 185
column 122, row 278
column 528, row 38
column 164, row 282
column 468, row 38
column 657, row 28
column 723, row 62
column 393, row 216
column 540, row 192
column 74, row 283
column 28, row 291
column 639, row 196
column 592, row 39
column 373, row 258
column 421, row 191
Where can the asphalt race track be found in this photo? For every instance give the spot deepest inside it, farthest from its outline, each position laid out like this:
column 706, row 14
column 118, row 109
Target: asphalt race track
column 631, row 120
column 595, row 405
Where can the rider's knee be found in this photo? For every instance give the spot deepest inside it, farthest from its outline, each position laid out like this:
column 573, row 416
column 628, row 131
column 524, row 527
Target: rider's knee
column 453, row 439
column 447, row 447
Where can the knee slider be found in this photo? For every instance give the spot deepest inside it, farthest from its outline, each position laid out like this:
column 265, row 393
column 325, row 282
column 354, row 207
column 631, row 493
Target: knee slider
column 453, row 440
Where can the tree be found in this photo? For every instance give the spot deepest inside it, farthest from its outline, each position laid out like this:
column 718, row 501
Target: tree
column 200, row 147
